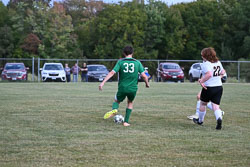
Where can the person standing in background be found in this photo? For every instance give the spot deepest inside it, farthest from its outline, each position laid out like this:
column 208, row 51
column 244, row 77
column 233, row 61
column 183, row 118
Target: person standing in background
column 75, row 71
column 84, row 70
column 67, row 72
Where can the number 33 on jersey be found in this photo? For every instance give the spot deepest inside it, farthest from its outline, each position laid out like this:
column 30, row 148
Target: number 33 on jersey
column 128, row 69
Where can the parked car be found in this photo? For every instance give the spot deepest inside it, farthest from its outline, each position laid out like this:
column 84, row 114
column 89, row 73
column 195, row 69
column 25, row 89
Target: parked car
column 14, row 72
column 97, row 72
column 170, row 72
column 195, row 73
column 53, row 72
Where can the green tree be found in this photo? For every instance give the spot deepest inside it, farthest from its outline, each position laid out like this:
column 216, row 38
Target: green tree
column 237, row 29
column 6, row 42
column 6, row 36
column 204, row 24
column 3, row 14
column 29, row 3
column 81, row 10
column 155, row 28
column 115, row 27
column 52, row 26
column 31, row 44
column 60, row 32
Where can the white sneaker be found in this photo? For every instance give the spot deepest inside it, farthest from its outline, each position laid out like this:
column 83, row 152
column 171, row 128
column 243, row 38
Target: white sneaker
column 193, row 116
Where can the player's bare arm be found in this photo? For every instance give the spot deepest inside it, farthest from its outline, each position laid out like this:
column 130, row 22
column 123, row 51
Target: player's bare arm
column 145, row 78
column 222, row 73
column 110, row 74
column 207, row 76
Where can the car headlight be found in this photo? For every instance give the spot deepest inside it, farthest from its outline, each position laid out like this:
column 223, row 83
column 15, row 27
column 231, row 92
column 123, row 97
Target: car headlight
column 165, row 72
column 44, row 73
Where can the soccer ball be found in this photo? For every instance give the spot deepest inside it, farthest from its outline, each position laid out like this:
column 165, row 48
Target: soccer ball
column 118, row 119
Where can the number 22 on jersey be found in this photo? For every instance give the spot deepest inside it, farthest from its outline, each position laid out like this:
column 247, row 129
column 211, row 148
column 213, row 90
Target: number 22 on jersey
column 216, row 71
column 129, row 67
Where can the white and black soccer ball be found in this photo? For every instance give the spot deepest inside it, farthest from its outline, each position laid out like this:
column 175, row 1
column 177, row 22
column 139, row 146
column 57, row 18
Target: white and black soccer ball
column 118, row 119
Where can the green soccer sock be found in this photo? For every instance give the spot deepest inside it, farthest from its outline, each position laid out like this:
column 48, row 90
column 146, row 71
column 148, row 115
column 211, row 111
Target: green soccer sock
column 115, row 105
column 128, row 112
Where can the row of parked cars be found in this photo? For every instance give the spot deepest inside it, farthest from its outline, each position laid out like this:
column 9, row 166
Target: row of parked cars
column 49, row 72
column 55, row 72
column 96, row 72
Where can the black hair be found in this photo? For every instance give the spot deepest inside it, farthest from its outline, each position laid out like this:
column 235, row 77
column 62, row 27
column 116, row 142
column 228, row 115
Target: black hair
column 128, row 50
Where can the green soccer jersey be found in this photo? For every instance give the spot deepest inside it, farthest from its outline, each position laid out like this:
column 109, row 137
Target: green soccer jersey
column 128, row 69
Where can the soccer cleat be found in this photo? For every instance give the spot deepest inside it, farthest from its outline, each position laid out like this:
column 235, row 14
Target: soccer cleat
column 197, row 121
column 110, row 114
column 219, row 124
column 193, row 116
column 222, row 113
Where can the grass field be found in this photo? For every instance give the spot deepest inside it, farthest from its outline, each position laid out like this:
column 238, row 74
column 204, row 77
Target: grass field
column 60, row 124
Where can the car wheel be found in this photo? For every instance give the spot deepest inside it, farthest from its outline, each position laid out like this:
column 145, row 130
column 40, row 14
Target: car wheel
column 191, row 79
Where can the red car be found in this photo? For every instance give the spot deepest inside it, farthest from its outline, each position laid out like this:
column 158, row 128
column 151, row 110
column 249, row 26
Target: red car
column 170, row 72
column 14, row 71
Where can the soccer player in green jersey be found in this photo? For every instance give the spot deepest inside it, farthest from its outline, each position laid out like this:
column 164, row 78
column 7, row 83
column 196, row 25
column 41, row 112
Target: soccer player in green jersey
column 128, row 69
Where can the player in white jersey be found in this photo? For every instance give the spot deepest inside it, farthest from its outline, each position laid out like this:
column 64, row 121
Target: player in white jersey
column 212, row 90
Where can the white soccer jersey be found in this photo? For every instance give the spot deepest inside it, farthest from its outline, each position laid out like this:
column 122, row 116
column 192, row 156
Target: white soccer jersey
column 216, row 69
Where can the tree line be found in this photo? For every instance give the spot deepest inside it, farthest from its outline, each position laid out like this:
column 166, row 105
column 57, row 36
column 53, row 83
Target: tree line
column 97, row 30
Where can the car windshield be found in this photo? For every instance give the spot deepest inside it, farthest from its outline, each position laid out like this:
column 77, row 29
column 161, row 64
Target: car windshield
column 170, row 66
column 53, row 67
column 97, row 68
column 14, row 67
column 197, row 66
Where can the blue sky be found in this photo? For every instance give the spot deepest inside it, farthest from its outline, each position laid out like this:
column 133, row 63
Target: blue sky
column 169, row 2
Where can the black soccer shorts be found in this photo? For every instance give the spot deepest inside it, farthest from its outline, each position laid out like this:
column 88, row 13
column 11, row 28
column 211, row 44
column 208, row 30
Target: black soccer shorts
column 212, row 94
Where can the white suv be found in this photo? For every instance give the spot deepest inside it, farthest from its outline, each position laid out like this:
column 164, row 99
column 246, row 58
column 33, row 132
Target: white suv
column 53, row 72
column 195, row 72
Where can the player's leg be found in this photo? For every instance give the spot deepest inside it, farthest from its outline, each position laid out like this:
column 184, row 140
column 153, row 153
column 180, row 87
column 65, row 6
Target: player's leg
column 196, row 115
column 131, row 97
column 128, row 113
column 114, row 110
column 118, row 98
column 204, row 99
column 202, row 113
column 216, row 106
column 218, row 116
column 210, row 106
